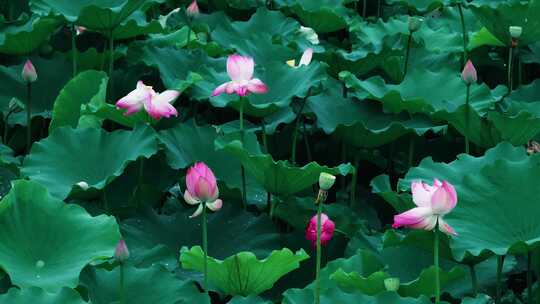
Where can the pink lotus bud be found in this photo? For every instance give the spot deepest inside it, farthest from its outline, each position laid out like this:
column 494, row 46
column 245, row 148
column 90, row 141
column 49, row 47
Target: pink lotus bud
column 202, row 188
column 327, row 230
column 469, row 73
column 121, row 253
column 193, row 9
column 29, row 72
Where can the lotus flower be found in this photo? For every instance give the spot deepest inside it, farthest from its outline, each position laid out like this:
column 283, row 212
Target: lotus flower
column 29, row 72
column 327, row 230
column 193, row 9
column 157, row 105
column 433, row 203
column 79, row 30
column 469, row 73
column 304, row 60
column 240, row 70
column 202, row 189
column 121, row 253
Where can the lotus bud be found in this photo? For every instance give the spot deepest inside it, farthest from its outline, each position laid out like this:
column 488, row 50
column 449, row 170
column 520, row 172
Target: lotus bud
column 469, row 73
column 29, row 72
column 414, row 24
column 121, row 253
column 193, row 9
column 83, row 185
column 327, row 230
column 309, row 34
column 326, row 181
column 391, row 284
column 515, row 31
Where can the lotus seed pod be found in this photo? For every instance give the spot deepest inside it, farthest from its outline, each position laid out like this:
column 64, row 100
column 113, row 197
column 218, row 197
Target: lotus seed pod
column 326, row 181
column 414, row 23
column 391, row 284
column 515, row 31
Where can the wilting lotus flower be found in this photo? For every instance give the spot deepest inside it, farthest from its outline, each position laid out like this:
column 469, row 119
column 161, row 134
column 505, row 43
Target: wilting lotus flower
column 29, row 72
column 240, row 70
column 469, row 73
column 193, row 9
column 305, row 60
column 327, row 230
column 433, row 203
column 202, row 189
column 121, row 253
column 157, row 105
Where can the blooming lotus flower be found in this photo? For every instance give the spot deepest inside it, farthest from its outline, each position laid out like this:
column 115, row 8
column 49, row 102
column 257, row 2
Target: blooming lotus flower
column 305, row 60
column 433, row 203
column 193, row 9
column 157, row 105
column 240, row 70
column 202, row 189
column 121, row 253
column 327, row 230
column 469, row 73
column 29, row 73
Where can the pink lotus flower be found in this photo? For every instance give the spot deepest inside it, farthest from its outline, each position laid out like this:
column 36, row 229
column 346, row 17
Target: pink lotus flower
column 327, row 230
column 202, row 189
column 121, row 253
column 433, row 203
column 240, row 70
column 29, row 73
column 304, row 60
column 157, row 105
column 469, row 73
column 193, row 9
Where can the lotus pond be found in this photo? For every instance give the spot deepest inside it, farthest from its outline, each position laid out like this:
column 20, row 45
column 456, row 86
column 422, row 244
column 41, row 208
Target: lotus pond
column 269, row 151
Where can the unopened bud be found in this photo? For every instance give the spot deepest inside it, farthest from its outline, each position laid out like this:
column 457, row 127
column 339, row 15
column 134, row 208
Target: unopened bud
column 29, row 72
column 515, row 31
column 193, row 9
column 414, row 23
column 326, row 181
column 469, row 73
column 121, row 253
column 391, row 284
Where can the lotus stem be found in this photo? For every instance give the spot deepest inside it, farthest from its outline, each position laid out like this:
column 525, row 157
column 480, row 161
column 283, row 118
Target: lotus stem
column 111, row 64
column 319, row 250
column 529, row 278
column 6, row 125
column 297, row 126
column 510, row 59
column 122, row 290
column 354, row 179
column 242, row 169
column 500, row 264
column 464, row 31
column 265, row 140
column 409, row 41
column 379, row 8
column 474, row 279
column 306, row 141
column 74, row 49
column 140, row 180
column 364, row 9
column 189, row 32
column 205, row 248
column 467, row 118
column 343, row 159
column 28, row 116
column 436, row 264
column 411, row 151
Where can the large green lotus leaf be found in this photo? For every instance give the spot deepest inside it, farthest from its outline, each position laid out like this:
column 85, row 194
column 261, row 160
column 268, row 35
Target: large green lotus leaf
column 483, row 37
column 69, row 156
column 322, row 15
column 101, row 15
column 363, row 123
column 141, row 286
column 497, row 16
column 22, row 39
column 401, row 202
column 493, row 190
column 279, row 177
column 479, row 299
column 248, row 300
column 338, row 296
column 243, row 274
column 137, row 25
column 84, row 88
column 421, row 5
column 154, row 237
column 52, row 76
column 34, row 295
column 46, row 243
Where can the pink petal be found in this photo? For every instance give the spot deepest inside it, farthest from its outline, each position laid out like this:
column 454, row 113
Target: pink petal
column 29, row 73
column 190, row 199
column 327, row 229
column 193, row 9
column 257, row 86
column 220, row 89
column 167, row 96
column 306, row 57
column 191, row 179
column 444, row 199
column 418, row 218
column 469, row 75
column 444, row 227
column 197, row 212
column 215, row 205
column 240, row 68
column 421, row 194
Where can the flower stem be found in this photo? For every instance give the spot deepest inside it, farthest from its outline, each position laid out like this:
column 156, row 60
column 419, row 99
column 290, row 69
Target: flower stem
column 28, row 116
column 436, row 264
column 529, row 278
column 500, row 264
column 407, row 52
column 140, row 182
column 354, row 179
column 242, row 169
column 411, row 151
column 306, row 141
column 265, row 141
column 297, row 126
column 74, row 49
column 205, row 248
column 510, row 59
column 111, row 64
column 122, row 291
column 464, row 31
column 318, row 262
column 467, row 119
column 364, row 9
column 189, row 32
column 474, row 279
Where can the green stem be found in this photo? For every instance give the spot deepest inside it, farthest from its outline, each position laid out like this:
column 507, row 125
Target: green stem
column 122, row 291
column 268, row 201
column 6, row 126
column 510, row 59
column 529, row 278
column 140, row 182
column 265, row 141
column 306, row 141
column 500, row 264
column 296, row 127
column 111, row 64
column 189, row 32
column 364, row 9
column 436, row 264
column 474, row 279
column 205, row 248
column 318, row 262
column 467, row 118
column 411, row 151
column 464, row 32
column 242, row 169
column 354, row 179
column 379, row 9
column 409, row 40
column 74, row 49
column 343, row 160
column 28, row 116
